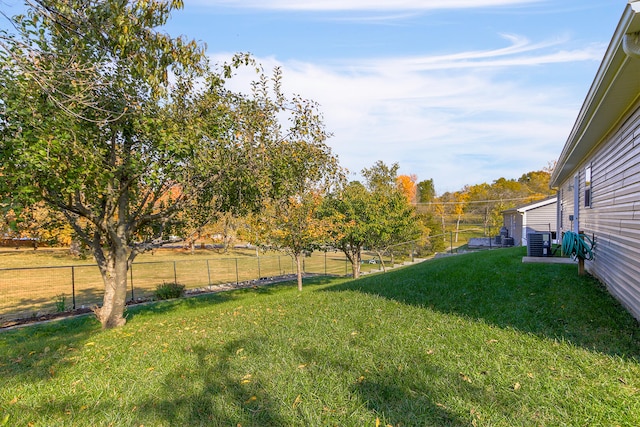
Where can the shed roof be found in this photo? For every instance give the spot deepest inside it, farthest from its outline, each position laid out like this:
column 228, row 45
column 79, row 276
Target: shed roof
column 531, row 206
column 615, row 89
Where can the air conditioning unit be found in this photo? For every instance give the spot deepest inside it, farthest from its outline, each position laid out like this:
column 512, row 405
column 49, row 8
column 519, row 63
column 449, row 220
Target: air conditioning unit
column 539, row 244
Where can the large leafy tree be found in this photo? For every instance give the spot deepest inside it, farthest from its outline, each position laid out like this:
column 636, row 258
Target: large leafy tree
column 91, row 126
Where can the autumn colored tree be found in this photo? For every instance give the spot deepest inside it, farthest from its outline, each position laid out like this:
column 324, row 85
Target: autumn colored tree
column 407, row 185
column 37, row 222
column 459, row 203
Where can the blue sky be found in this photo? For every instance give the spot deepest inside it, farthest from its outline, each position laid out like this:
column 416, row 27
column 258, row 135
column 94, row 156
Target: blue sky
column 460, row 91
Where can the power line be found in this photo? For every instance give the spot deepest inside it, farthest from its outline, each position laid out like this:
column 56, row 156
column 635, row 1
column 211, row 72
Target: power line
column 472, row 201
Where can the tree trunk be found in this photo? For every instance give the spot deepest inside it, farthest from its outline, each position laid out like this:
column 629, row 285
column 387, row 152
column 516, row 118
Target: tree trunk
column 356, row 259
column 111, row 314
column 384, row 267
column 298, row 258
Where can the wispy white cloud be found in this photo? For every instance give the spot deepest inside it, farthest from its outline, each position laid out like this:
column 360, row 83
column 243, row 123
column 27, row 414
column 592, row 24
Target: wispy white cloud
column 468, row 110
column 361, row 5
column 520, row 52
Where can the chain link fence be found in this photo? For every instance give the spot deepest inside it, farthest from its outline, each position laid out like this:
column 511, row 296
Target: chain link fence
column 35, row 291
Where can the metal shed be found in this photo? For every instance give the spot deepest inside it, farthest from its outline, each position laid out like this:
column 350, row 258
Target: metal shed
column 540, row 216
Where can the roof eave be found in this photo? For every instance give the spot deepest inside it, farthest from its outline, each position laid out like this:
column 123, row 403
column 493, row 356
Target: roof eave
column 614, row 90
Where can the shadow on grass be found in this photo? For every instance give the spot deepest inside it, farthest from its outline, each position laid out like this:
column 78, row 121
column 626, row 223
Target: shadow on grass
column 211, row 395
column 548, row 300
column 401, row 397
column 39, row 352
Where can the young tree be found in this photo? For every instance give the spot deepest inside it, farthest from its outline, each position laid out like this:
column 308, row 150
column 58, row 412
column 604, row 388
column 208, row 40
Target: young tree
column 460, row 199
column 375, row 215
column 349, row 210
column 294, row 227
column 302, row 169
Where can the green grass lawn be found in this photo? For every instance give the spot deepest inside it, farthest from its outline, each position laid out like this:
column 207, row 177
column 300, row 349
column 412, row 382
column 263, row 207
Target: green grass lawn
column 473, row 340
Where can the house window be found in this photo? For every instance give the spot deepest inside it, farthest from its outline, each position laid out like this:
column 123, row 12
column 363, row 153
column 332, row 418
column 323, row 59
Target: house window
column 587, row 187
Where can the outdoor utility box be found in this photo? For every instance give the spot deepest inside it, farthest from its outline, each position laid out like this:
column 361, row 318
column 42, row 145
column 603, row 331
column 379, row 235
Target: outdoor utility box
column 539, row 244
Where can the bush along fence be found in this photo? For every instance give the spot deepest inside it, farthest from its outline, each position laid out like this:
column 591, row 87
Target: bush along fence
column 37, row 291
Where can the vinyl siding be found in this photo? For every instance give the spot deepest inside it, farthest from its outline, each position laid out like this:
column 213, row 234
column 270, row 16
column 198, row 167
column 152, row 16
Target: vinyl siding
column 613, row 219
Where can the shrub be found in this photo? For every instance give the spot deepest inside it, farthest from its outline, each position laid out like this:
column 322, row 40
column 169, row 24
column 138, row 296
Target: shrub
column 169, row 290
column 61, row 303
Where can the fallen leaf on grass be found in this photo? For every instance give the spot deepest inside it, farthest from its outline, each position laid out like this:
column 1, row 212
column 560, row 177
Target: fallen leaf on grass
column 297, row 401
column 517, row 386
column 465, row 377
column 251, row 399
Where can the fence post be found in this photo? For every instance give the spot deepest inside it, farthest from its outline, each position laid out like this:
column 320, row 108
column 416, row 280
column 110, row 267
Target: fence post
column 451, row 241
column 208, row 273
column 131, row 276
column 175, row 273
column 237, row 278
column 325, row 262
column 258, row 268
column 73, row 286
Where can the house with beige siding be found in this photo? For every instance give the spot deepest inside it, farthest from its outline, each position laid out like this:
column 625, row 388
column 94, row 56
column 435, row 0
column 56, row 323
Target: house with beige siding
column 535, row 217
column 598, row 172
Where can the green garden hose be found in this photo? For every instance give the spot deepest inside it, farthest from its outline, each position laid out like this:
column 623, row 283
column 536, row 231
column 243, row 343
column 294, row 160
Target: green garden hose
column 577, row 245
